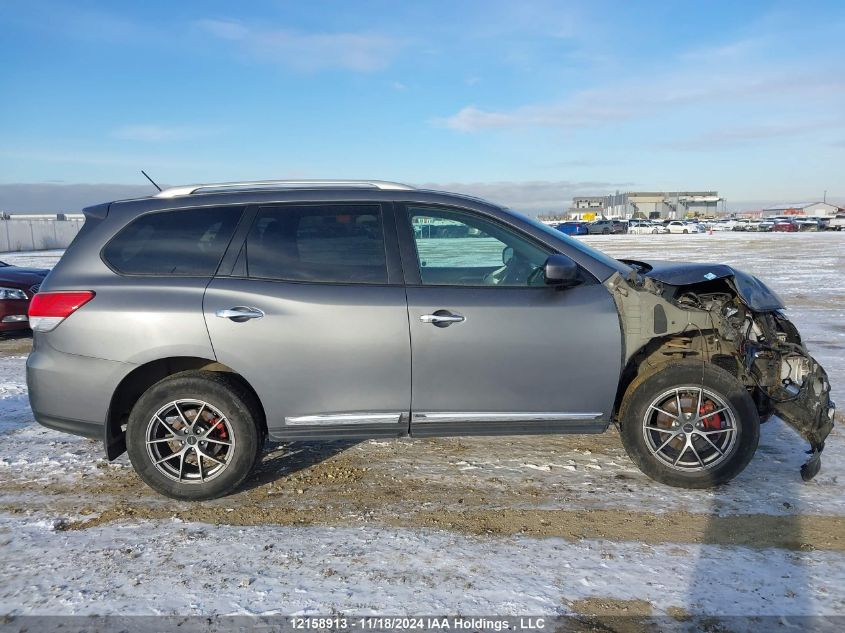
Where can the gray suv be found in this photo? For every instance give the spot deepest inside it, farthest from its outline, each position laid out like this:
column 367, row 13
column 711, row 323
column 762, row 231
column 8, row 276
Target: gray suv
column 188, row 327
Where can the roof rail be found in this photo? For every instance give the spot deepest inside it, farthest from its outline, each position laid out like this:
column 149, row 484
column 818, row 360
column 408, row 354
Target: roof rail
column 187, row 190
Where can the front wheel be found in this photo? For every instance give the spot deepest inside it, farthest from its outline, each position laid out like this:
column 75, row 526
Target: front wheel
column 194, row 435
column 690, row 425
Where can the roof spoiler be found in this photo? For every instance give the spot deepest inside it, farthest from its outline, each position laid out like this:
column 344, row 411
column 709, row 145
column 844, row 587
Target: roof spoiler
column 97, row 212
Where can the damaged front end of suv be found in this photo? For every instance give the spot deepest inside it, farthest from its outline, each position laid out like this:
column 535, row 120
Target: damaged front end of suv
column 715, row 313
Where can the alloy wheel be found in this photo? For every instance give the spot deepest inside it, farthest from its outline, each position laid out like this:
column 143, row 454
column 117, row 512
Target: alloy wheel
column 690, row 428
column 190, row 441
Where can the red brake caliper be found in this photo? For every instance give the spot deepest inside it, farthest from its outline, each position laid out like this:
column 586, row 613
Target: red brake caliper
column 217, row 425
column 712, row 422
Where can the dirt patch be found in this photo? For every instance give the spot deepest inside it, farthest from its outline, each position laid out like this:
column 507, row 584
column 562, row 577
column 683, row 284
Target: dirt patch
column 611, row 614
column 795, row 532
column 15, row 344
column 800, row 533
column 610, row 607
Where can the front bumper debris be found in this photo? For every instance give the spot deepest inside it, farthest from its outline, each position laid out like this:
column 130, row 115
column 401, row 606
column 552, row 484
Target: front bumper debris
column 810, row 411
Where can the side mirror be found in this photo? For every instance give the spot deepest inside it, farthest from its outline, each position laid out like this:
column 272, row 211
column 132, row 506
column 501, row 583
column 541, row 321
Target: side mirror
column 559, row 270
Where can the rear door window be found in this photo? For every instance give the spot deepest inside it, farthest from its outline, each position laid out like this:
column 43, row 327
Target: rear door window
column 325, row 243
column 179, row 242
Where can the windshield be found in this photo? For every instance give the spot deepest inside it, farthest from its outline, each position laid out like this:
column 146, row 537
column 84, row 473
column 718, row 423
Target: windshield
column 596, row 254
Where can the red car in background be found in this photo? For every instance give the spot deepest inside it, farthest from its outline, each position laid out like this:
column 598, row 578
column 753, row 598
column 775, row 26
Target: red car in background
column 785, row 226
column 17, row 286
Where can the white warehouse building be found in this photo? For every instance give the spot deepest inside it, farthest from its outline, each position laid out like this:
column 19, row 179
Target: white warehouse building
column 817, row 209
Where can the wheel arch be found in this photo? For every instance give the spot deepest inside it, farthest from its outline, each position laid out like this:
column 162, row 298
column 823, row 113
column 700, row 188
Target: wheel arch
column 141, row 378
column 658, row 352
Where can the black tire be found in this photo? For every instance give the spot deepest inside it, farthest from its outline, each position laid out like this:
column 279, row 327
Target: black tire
column 238, row 407
column 685, row 232
column 654, row 231
column 636, row 413
column 605, row 232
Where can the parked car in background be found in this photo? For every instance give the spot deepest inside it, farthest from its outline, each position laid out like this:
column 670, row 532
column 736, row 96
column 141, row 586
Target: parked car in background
column 645, row 227
column 601, row 227
column 573, row 227
column 189, row 327
column 741, row 225
column 620, row 227
column 811, row 223
column 766, row 225
column 837, row 223
column 17, row 287
column 784, row 226
column 723, row 225
column 679, row 226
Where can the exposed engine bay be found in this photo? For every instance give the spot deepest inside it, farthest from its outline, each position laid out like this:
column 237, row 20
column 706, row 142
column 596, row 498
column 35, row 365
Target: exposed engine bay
column 734, row 321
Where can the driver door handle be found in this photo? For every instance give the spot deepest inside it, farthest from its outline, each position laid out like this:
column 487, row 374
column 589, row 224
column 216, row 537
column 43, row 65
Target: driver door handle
column 442, row 318
column 239, row 313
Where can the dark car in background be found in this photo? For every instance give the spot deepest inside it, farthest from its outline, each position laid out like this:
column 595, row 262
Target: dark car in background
column 17, row 286
column 606, row 227
column 573, row 228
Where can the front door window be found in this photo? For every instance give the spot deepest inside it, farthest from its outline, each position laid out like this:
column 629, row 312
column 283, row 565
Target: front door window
column 457, row 248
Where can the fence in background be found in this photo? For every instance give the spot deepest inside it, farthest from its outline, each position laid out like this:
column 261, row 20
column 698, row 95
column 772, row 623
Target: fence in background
column 38, row 233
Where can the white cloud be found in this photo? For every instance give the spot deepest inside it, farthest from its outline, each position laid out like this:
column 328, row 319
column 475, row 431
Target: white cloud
column 225, row 29
column 307, row 52
column 734, row 136
column 745, row 71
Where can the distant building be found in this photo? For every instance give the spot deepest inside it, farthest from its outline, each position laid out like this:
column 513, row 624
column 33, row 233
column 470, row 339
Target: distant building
column 822, row 209
column 649, row 204
column 595, row 203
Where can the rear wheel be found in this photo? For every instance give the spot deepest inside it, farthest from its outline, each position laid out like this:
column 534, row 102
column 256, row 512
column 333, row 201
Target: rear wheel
column 690, row 425
column 194, row 435
column 605, row 232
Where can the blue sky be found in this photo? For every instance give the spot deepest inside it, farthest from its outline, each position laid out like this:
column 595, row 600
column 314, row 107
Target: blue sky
column 526, row 102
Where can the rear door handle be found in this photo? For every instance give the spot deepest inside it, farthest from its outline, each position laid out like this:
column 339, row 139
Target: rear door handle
column 442, row 318
column 240, row 314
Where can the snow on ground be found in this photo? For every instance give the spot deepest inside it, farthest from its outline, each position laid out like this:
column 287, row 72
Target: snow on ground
column 32, row 259
column 169, row 566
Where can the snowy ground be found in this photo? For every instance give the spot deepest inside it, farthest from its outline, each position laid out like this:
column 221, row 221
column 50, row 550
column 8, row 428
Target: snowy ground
column 487, row 525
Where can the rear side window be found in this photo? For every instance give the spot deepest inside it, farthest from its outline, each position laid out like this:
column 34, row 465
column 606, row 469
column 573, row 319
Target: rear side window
column 184, row 242
column 337, row 243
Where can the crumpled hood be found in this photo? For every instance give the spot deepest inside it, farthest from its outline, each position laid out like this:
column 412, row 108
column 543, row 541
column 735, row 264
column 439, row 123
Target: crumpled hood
column 22, row 276
column 751, row 291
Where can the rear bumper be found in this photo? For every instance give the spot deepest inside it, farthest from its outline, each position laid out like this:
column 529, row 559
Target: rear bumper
column 71, row 393
column 75, row 427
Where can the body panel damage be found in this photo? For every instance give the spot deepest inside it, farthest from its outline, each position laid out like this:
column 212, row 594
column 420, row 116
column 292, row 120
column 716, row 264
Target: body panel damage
column 731, row 319
column 750, row 290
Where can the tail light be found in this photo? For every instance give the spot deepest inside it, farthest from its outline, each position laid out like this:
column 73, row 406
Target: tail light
column 48, row 309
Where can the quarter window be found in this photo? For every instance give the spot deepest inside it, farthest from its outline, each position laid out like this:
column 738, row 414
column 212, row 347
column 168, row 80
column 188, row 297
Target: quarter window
column 459, row 248
column 318, row 243
column 183, row 242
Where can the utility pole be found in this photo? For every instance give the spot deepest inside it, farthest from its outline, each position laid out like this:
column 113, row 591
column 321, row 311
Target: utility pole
column 825, row 196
